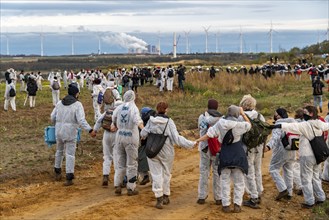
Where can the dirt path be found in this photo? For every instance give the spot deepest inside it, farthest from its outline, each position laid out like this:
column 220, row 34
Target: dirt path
column 88, row 200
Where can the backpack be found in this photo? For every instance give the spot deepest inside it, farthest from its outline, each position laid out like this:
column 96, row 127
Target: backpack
column 100, row 97
column 12, row 92
column 107, row 120
column 32, row 87
column 257, row 134
column 170, row 73
column 214, row 145
column 55, row 85
column 317, row 88
column 108, row 97
column 290, row 141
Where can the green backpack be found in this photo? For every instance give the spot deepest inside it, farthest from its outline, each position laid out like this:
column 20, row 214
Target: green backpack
column 258, row 133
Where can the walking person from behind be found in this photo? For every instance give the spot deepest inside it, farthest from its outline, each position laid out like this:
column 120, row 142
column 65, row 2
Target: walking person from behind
column 317, row 92
column 207, row 159
column 68, row 115
column 32, row 89
column 161, row 164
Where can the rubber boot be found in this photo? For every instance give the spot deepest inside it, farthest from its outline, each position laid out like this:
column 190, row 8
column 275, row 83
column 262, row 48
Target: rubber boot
column 58, row 174
column 69, row 179
column 159, row 204
column 105, row 180
column 166, row 200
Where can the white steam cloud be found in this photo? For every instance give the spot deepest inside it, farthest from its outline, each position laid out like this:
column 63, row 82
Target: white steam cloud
column 126, row 41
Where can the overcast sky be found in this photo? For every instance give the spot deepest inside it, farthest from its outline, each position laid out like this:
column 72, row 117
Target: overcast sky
column 162, row 16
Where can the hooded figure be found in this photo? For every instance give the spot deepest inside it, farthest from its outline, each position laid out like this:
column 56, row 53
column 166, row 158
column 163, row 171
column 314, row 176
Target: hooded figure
column 254, row 183
column 126, row 119
column 233, row 162
column 10, row 97
column 161, row 164
column 281, row 158
column 108, row 139
column 97, row 89
column 309, row 169
column 67, row 116
column 207, row 160
column 54, row 81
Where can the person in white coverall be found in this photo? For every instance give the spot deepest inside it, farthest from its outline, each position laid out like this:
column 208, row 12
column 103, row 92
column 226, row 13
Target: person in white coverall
column 67, row 116
column 126, row 119
column 281, row 158
column 9, row 84
column 97, row 88
column 207, row 160
column 170, row 79
column 161, row 165
column 108, row 141
column 55, row 93
column 233, row 162
column 254, row 183
column 310, row 170
column 325, row 172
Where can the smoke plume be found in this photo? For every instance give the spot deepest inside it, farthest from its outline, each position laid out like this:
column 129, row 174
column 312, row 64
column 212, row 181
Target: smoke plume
column 126, row 41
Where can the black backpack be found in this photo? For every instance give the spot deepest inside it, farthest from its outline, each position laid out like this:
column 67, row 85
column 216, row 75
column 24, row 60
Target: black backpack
column 170, row 73
column 12, row 92
column 317, row 88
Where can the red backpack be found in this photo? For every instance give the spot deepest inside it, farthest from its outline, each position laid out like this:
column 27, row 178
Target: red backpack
column 214, row 145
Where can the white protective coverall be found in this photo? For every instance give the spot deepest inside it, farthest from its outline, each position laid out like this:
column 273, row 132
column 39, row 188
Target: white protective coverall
column 9, row 99
column 55, row 93
column 254, row 182
column 309, row 170
column 325, row 172
column 170, row 80
column 67, row 116
column 97, row 107
column 281, row 158
column 126, row 118
column 238, row 129
column 161, row 164
column 207, row 161
column 108, row 142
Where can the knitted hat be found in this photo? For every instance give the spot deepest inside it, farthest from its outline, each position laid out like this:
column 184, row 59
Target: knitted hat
column 282, row 112
column 212, row 104
column 72, row 90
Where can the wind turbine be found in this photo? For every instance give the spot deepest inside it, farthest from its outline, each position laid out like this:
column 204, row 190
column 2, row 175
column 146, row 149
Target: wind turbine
column 327, row 32
column 41, row 44
column 72, row 45
column 206, row 30
column 159, row 47
column 99, row 44
column 7, row 44
column 175, row 46
column 271, row 37
column 217, row 44
column 241, row 40
column 187, row 40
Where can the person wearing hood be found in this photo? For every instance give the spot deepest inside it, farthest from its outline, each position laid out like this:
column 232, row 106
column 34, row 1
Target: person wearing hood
column 67, row 116
column 161, row 165
column 309, row 169
column 55, row 86
column 207, row 160
column 97, row 89
column 281, row 158
column 126, row 119
column 105, row 121
column 10, row 92
column 317, row 85
column 254, row 183
column 233, row 160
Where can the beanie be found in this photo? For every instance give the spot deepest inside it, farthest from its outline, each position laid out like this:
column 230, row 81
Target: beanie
column 72, row 90
column 282, row 112
column 212, row 104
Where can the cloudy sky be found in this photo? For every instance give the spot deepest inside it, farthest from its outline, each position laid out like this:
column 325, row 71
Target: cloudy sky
column 162, row 16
